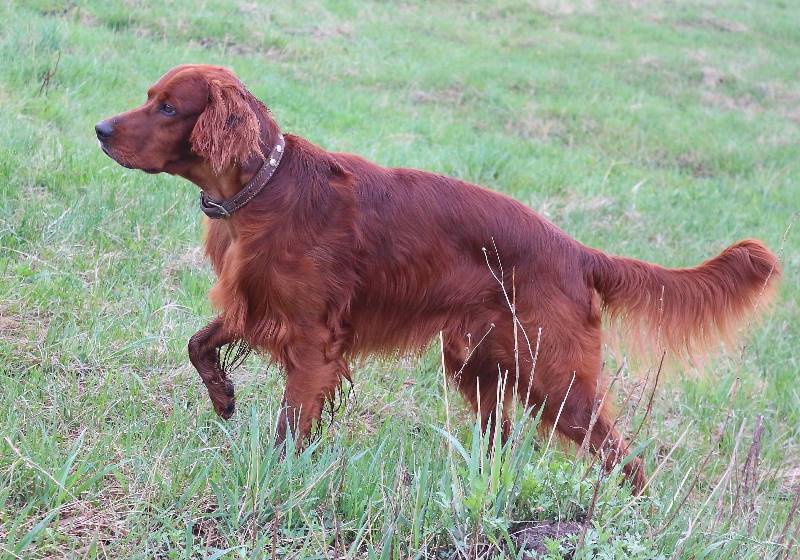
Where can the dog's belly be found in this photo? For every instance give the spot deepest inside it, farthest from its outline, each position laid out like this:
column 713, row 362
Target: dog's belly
column 381, row 330
column 401, row 310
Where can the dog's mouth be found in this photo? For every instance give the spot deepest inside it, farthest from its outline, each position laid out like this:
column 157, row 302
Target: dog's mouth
column 109, row 152
column 122, row 161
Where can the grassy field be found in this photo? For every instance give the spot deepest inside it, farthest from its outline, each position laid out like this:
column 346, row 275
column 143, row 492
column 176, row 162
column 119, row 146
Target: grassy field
column 658, row 130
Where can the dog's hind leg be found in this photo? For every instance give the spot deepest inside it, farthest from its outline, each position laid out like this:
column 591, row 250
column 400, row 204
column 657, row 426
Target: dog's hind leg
column 204, row 354
column 567, row 380
column 604, row 440
column 479, row 378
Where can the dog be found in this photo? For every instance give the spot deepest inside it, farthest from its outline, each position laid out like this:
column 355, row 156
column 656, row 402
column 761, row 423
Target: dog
column 321, row 257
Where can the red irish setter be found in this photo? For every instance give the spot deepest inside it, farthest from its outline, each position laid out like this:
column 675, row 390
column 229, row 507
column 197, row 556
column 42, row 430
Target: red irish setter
column 324, row 256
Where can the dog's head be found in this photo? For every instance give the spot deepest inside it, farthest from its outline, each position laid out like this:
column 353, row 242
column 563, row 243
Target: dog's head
column 195, row 115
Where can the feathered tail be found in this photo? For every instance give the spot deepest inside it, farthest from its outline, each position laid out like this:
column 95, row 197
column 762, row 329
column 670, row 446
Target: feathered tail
column 686, row 309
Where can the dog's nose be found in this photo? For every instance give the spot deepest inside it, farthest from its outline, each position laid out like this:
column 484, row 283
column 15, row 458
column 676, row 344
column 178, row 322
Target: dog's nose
column 104, row 129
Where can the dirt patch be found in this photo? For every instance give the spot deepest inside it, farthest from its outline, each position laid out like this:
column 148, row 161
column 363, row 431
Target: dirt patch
column 786, row 101
column 693, row 163
column 86, row 521
column 252, row 9
column 713, row 23
column 534, row 124
column 322, row 32
column 8, row 325
column 207, row 528
column 652, row 63
column 744, row 103
column 555, row 8
column 580, row 203
column 711, row 76
column 687, row 162
column 36, row 190
column 229, row 46
column 533, row 537
column 794, row 115
column 778, row 93
column 192, row 258
column 104, row 518
column 533, row 127
column 190, row 261
column 452, row 95
column 789, row 479
column 26, row 331
column 713, row 82
column 83, row 16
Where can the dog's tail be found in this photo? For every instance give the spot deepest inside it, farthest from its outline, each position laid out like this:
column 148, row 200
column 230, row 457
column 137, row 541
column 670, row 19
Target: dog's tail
column 685, row 309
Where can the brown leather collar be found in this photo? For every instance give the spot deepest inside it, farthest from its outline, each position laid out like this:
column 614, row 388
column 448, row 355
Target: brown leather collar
column 223, row 209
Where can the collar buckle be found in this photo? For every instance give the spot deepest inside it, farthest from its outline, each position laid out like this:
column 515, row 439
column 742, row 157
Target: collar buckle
column 205, row 202
column 224, row 209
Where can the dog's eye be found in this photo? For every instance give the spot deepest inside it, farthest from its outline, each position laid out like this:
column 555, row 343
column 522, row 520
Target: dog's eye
column 166, row 109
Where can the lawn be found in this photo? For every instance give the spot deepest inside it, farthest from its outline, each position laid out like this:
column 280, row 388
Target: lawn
column 658, row 130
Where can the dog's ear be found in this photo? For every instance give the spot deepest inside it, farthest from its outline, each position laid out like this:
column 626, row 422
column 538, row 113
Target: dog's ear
column 228, row 131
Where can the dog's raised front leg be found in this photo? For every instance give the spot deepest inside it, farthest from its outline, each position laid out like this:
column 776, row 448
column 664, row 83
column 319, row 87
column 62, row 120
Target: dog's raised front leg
column 204, row 354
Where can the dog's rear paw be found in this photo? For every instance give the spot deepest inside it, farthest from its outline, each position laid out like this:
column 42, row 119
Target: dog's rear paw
column 634, row 473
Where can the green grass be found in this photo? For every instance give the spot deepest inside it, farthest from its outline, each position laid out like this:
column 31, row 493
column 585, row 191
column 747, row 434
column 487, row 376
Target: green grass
column 658, row 130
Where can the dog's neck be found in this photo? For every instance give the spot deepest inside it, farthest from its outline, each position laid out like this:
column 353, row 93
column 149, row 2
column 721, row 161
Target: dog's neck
column 224, row 185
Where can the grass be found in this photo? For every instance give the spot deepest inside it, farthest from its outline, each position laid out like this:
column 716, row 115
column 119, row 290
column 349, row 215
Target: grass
column 657, row 130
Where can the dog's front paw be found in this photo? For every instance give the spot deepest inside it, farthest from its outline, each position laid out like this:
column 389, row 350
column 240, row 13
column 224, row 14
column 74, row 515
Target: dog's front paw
column 223, row 399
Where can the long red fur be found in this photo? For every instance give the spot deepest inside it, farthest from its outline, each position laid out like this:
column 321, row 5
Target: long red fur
column 686, row 310
column 400, row 292
column 339, row 257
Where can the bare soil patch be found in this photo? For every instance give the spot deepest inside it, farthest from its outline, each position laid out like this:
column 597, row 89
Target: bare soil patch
column 455, row 94
column 236, row 48
column 533, row 537
column 709, row 21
